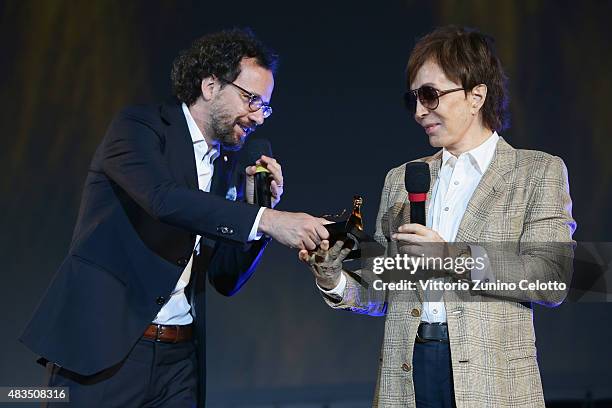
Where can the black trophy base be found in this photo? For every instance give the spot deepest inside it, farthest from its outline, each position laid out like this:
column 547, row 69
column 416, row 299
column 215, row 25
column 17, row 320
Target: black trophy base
column 353, row 238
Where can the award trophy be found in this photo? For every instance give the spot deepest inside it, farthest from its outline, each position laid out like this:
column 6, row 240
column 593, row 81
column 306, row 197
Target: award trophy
column 352, row 233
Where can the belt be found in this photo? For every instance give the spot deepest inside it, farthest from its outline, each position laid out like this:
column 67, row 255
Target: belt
column 432, row 332
column 168, row 334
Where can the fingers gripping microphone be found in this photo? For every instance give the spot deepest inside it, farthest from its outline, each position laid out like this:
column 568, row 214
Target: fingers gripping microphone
column 417, row 181
column 255, row 148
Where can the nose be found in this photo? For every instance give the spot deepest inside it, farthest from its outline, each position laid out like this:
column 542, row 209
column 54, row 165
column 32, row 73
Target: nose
column 257, row 117
column 420, row 111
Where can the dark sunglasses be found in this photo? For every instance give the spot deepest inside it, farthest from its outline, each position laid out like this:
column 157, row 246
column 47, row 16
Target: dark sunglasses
column 427, row 95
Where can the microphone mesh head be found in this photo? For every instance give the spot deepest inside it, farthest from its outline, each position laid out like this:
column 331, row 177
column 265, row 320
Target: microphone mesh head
column 417, row 177
column 254, row 148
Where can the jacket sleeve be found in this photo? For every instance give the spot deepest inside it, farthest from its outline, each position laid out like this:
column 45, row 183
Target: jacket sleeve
column 232, row 266
column 132, row 158
column 544, row 252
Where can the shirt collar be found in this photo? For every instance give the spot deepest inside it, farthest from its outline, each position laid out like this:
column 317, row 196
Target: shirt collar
column 198, row 137
column 480, row 156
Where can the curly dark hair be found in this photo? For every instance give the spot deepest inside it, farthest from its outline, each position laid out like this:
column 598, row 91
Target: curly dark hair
column 217, row 54
column 467, row 57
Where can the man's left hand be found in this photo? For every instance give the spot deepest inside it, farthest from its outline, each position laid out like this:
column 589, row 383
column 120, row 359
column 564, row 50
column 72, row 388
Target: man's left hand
column 276, row 185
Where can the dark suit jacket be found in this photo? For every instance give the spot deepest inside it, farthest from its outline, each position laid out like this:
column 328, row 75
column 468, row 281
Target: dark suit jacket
column 140, row 212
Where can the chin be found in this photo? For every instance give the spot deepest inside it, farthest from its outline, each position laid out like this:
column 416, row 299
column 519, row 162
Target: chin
column 436, row 141
column 233, row 141
column 441, row 140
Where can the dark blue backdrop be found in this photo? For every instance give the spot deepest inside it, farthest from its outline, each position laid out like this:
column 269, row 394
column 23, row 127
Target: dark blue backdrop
column 338, row 126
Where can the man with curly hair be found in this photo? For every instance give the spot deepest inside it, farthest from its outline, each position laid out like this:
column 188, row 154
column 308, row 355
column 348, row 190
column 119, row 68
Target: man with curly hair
column 122, row 323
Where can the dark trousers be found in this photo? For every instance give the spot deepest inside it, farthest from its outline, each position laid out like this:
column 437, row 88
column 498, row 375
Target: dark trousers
column 432, row 375
column 154, row 374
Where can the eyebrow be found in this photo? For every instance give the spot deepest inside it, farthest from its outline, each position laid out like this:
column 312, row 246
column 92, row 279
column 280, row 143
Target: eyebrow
column 428, row 84
column 431, row 84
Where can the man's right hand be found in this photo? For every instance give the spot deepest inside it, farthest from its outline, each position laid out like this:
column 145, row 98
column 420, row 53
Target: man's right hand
column 295, row 230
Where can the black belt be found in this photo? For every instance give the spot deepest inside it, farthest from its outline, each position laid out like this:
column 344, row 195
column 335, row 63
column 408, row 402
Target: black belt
column 432, row 332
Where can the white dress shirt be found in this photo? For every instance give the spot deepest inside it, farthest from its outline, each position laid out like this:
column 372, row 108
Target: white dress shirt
column 176, row 311
column 457, row 180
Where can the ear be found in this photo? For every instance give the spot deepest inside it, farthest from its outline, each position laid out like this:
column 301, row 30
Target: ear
column 208, row 88
column 478, row 97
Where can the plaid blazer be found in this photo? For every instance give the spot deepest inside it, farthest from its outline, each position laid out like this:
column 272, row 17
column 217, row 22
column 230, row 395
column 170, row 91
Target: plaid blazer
column 523, row 197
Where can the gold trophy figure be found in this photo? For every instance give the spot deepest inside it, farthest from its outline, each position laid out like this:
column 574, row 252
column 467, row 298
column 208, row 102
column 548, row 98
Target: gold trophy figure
column 352, row 233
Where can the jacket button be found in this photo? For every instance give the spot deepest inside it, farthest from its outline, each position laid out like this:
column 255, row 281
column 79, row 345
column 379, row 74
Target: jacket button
column 182, row 262
column 160, row 300
column 415, row 312
column 406, row 367
column 225, row 230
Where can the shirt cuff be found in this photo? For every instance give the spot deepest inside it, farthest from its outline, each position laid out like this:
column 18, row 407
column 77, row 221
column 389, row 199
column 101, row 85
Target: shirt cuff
column 254, row 235
column 481, row 274
column 338, row 291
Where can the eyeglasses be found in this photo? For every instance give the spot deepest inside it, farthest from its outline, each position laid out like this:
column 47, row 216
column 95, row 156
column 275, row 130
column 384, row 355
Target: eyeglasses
column 255, row 101
column 427, row 95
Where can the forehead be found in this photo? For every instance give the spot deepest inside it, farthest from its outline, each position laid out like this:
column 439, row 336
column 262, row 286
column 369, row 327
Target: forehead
column 255, row 78
column 430, row 73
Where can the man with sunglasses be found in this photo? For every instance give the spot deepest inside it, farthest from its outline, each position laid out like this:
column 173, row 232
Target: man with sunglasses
column 122, row 324
column 471, row 349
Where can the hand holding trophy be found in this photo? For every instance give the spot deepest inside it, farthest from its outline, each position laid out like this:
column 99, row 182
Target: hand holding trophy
column 352, row 233
column 346, row 241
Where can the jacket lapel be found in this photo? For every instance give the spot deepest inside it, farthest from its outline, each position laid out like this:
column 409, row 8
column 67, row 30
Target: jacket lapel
column 489, row 190
column 222, row 175
column 181, row 156
column 179, row 146
column 435, row 162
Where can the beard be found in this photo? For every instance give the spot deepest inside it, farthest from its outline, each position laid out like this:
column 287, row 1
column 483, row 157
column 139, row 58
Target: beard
column 223, row 124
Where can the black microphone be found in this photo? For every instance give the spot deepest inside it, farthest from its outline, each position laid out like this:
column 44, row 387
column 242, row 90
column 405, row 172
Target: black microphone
column 417, row 181
column 254, row 149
